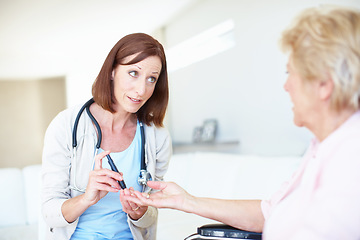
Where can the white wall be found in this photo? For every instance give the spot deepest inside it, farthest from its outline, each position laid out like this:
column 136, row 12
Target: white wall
column 242, row 87
column 47, row 38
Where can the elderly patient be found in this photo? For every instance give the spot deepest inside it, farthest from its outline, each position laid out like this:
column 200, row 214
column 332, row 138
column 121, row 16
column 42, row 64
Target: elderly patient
column 322, row 199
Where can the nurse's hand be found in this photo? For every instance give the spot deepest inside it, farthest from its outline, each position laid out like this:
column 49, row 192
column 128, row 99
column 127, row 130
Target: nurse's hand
column 101, row 181
column 134, row 210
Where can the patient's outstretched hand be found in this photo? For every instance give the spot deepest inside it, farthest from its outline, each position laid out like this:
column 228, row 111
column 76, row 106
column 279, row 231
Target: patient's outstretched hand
column 170, row 195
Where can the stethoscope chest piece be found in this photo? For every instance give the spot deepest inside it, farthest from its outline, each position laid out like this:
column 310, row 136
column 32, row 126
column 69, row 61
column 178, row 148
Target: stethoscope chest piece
column 144, row 177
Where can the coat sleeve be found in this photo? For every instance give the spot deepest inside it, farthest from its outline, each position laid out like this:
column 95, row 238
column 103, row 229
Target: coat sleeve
column 55, row 171
column 163, row 153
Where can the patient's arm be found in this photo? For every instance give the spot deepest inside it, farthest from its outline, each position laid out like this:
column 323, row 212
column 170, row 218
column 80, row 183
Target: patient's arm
column 243, row 214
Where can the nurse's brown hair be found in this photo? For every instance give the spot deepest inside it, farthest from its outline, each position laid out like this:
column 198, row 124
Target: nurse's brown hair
column 153, row 111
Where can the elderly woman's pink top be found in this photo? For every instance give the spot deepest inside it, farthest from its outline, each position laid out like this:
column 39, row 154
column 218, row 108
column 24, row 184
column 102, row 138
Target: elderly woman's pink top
column 322, row 200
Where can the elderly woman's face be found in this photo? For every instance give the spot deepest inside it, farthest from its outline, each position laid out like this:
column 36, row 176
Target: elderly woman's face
column 303, row 97
column 134, row 84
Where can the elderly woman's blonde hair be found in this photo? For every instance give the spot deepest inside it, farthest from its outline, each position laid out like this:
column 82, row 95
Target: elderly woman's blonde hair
column 325, row 43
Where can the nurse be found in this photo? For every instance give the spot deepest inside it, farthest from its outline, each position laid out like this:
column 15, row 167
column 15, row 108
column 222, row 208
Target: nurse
column 80, row 195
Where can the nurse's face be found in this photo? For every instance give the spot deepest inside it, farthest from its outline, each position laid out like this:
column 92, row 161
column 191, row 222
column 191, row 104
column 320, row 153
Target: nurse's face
column 134, row 84
column 303, row 96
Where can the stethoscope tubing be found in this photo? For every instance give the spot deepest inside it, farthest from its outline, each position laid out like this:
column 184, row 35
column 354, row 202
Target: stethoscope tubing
column 144, row 175
column 76, row 124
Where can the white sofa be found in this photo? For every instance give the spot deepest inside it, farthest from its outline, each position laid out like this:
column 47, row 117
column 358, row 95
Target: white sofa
column 230, row 176
column 19, row 203
column 219, row 175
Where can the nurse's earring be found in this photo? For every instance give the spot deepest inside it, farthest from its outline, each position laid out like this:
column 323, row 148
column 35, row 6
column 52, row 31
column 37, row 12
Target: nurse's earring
column 112, row 75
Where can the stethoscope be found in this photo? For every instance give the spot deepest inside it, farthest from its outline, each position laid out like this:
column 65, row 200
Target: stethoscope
column 144, row 175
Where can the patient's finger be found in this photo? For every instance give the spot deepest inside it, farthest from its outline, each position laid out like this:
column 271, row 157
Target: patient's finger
column 158, row 185
column 135, row 199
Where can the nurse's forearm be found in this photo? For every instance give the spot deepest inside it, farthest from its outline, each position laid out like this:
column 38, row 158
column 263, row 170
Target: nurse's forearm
column 73, row 208
column 243, row 214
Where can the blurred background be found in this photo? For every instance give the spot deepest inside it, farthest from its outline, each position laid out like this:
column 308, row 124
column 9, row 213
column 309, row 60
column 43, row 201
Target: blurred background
column 223, row 56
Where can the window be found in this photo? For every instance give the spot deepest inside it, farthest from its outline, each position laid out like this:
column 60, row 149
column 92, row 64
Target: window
column 204, row 45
